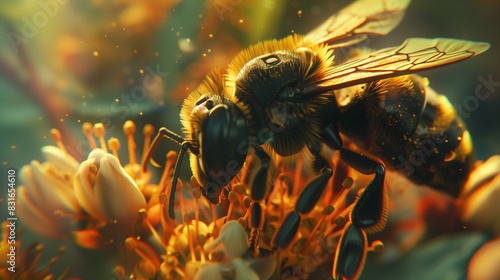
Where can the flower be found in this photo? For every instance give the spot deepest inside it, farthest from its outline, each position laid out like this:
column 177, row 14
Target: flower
column 103, row 188
column 94, row 202
column 480, row 196
column 47, row 194
column 25, row 263
column 104, row 203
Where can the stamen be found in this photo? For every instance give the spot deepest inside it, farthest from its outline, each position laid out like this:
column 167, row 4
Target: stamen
column 232, row 197
column 188, row 220
column 214, row 218
column 239, row 189
column 143, row 215
column 114, row 146
column 327, row 211
column 283, row 190
column 339, row 220
column 147, row 131
column 141, row 250
column 196, row 196
column 181, row 197
column 99, row 132
column 297, row 177
column 48, row 269
column 173, row 263
column 166, row 223
column 35, row 258
column 88, row 131
column 56, row 136
column 129, row 130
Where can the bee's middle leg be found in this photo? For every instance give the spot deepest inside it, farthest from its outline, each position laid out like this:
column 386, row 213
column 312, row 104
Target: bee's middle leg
column 308, row 198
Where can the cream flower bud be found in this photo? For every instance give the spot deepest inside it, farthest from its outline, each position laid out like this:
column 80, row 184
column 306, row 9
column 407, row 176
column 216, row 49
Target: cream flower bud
column 480, row 197
column 105, row 190
column 60, row 159
column 234, row 238
column 47, row 191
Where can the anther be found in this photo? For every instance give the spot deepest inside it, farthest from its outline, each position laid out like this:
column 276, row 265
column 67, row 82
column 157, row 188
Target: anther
column 100, row 131
column 88, row 131
column 129, row 130
column 114, row 146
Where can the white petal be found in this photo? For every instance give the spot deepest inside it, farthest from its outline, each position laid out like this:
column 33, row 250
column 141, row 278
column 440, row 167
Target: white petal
column 243, row 272
column 84, row 190
column 26, row 175
column 480, row 208
column 209, row 271
column 481, row 174
column 60, row 159
column 117, row 195
column 234, row 238
column 56, row 193
column 35, row 219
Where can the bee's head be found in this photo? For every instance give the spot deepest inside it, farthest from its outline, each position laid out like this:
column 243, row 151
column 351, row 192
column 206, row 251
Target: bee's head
column 216, row 127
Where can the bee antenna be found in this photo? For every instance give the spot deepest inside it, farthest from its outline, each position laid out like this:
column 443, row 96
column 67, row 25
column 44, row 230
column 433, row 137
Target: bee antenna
column 178, row 163
column 162, row 132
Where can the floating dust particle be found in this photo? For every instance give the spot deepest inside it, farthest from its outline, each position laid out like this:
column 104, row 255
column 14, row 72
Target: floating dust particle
column 117, row 100
column 141, row 71
column 299, row 13
column 210, row 35
column 241, row 20
column 95, row 53
column 315, row 10
column 13, row 146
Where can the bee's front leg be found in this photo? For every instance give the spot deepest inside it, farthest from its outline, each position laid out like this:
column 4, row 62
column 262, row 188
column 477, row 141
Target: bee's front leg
column 258, row 194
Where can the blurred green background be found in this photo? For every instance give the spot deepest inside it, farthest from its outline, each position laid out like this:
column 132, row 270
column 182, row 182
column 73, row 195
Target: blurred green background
column 63, row 63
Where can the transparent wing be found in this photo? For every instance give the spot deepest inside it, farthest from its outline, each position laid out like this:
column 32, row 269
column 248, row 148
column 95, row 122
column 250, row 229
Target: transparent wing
column 415, row 54
column 352, row 24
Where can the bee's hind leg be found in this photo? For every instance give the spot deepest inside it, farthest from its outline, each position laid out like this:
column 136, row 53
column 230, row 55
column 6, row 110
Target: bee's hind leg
column 369, row 214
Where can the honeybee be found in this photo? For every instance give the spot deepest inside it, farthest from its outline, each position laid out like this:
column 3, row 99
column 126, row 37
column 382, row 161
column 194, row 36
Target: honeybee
column 284, row 97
